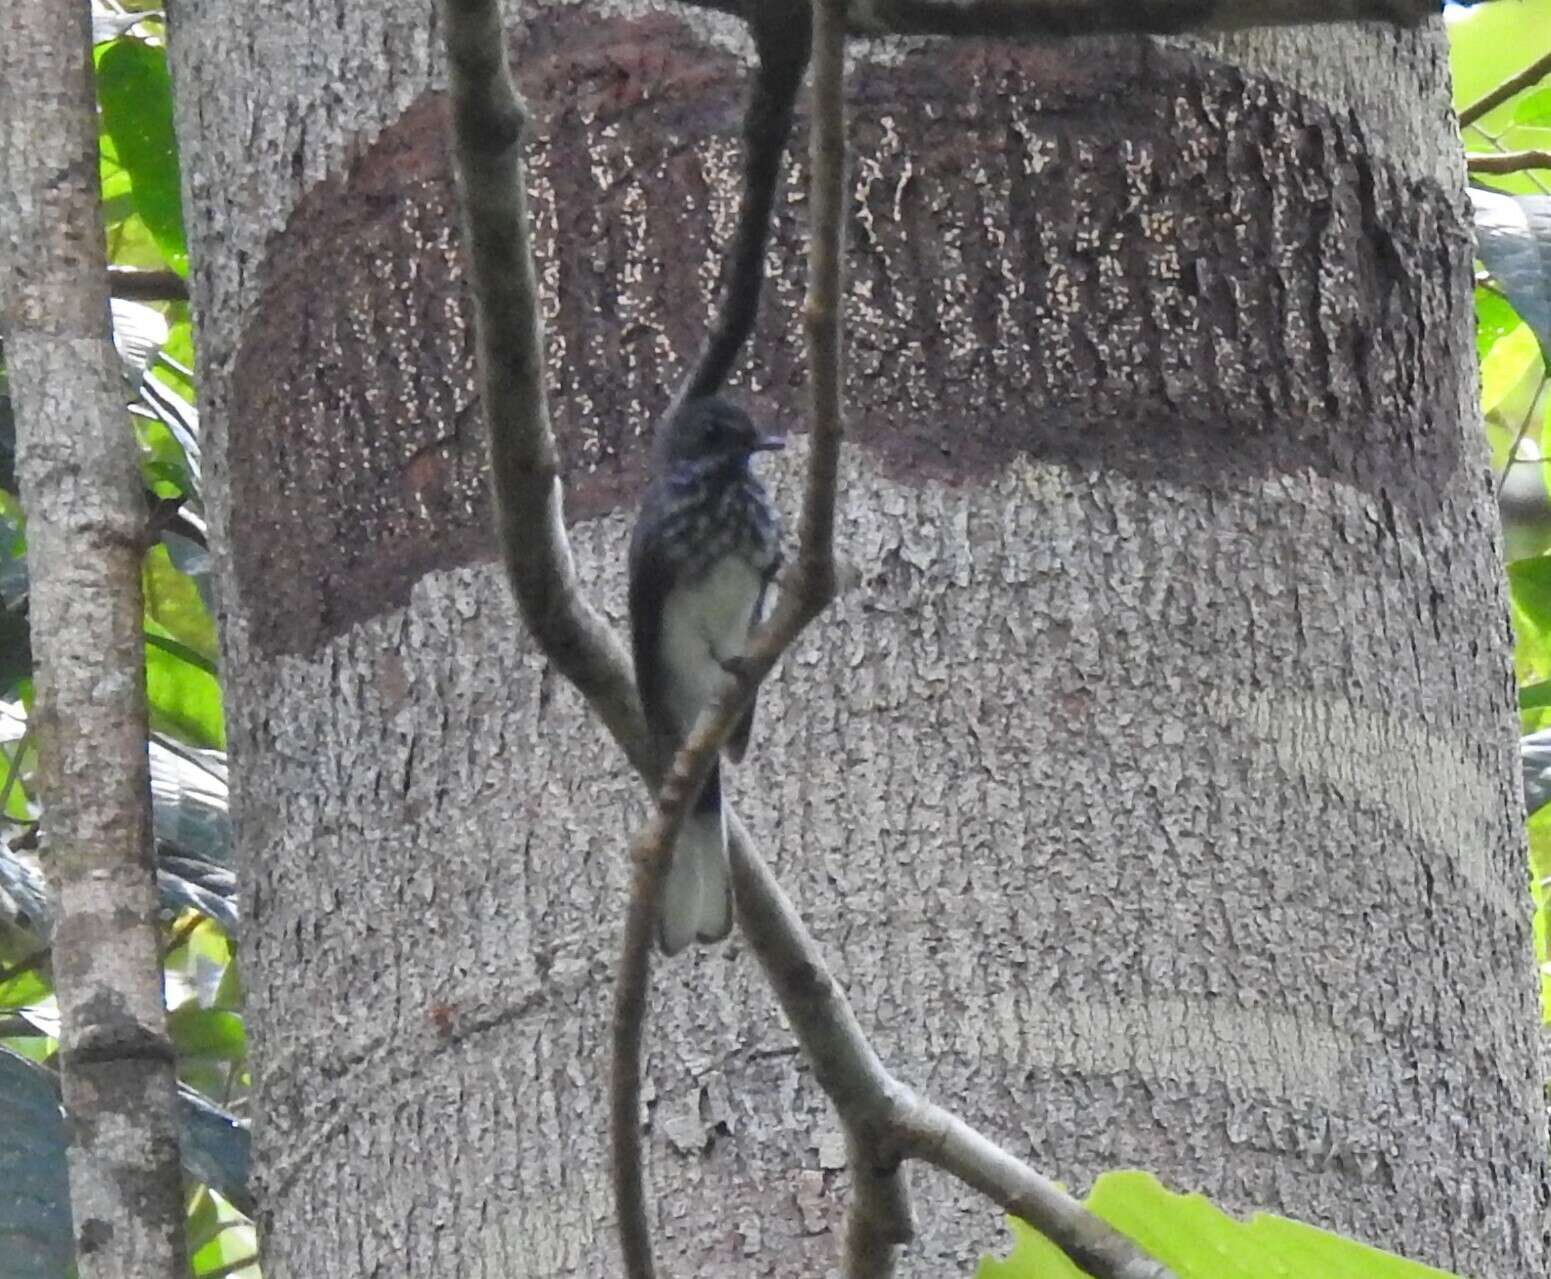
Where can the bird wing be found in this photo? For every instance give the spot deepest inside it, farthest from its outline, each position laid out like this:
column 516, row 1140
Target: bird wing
column 651, row 578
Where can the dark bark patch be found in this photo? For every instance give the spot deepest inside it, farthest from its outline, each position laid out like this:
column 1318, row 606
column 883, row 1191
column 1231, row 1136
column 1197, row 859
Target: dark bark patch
column 1103, row 255
column 94, row 1235
column 358, row 458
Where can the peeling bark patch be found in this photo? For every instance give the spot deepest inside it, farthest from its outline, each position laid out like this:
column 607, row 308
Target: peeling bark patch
column 93, row 1236
column 363, row 334
column 355, row 457
column 1131, row 260
column 1139, row 261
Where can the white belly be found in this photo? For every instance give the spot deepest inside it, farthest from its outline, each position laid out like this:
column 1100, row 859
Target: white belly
column 704, row 624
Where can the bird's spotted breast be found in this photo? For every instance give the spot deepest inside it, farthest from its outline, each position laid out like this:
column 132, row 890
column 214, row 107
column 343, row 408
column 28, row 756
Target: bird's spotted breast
column 707, row 523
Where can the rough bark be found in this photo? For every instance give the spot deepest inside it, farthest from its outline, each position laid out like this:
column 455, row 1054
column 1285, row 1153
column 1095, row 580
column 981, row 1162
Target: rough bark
column 1154, row 787
column 86, row 535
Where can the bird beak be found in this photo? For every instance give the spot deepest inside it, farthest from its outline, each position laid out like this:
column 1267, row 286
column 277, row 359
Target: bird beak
column 765, row 443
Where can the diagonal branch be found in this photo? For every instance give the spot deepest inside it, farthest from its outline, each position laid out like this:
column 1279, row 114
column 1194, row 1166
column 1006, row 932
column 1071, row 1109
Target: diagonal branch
column 1516, row 83
column 780, row 29
column 930, row 1133
column 488, row 123
column 883, row 1115
column 489, row 119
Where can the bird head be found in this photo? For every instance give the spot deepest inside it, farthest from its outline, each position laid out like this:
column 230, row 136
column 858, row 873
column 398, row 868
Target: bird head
column 710, row 430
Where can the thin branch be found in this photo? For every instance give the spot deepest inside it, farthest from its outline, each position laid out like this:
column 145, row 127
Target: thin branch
column 630, row 983
column 780, row 29
column 879, row 1218
column 894, row 1123
column 1508, row 162
column 821, row 307
column 147, row 286
column 488, row 124
column 1516, row 83
column 930, row 1133
column 1495, row 141
column 1063, row 18
column 488, row 121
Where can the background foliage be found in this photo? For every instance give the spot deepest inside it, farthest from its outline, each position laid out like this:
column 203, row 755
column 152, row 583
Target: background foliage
column 197, row 878
column 1513, row 337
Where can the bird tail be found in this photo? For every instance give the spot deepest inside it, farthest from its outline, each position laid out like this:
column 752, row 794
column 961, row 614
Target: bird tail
column 696, row 901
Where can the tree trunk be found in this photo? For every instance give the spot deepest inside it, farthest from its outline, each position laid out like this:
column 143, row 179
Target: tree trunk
column 1153, row 789
column 86, row 535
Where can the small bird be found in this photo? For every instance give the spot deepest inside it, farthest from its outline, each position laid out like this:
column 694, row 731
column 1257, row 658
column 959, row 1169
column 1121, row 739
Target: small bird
column 707, row 544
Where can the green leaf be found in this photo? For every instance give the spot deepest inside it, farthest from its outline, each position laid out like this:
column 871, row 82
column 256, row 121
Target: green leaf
column 226, row 1251
column 1509, row 372
column 184, row 694
column 1199, row 1241
column 229, row 994
column 173, row 602
column 35, row 1048
column 161, row 458
column 117, row 191
column 207, row 1032
column 203, row 1220
column 1495, row 317
column 1539, row 828
column 1529, row 604
column 181, row 651
column 179, row 346
column 135, row 91
column 1534, row 108
column 1529, row 582
column 1526, row 138
column 206, row 949
column 25, row 989
column 18, row 806
column 130, row 244
column 1487, row 44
